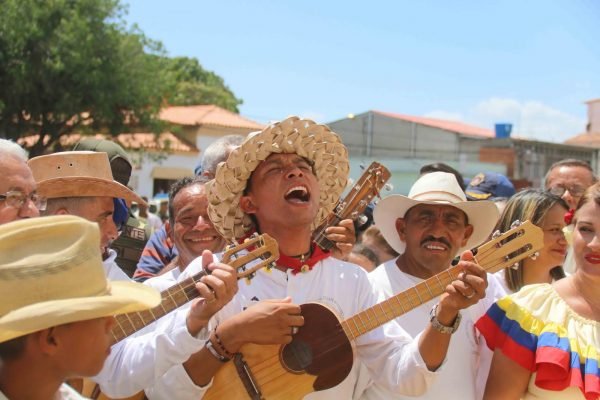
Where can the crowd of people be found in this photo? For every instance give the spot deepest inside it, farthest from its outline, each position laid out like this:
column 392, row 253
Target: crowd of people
column 72, row 250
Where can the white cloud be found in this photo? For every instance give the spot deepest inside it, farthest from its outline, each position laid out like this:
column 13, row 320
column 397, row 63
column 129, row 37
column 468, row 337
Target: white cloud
column 530, row 119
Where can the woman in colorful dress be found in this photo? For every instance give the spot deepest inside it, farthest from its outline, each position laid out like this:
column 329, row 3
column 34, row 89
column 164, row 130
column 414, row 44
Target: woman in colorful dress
column 547, row 211
column 546, row 337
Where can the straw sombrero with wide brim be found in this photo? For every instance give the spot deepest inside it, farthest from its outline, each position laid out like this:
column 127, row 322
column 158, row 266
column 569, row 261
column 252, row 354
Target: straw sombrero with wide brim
column 438, row 188
column 314, row 142
column 78, row 174
column 51, row 274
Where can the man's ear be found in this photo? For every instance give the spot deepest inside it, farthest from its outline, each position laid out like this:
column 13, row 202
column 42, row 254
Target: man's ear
column 168, row 229
column 62, row 211
column 247, row 205
column 48, row 340
column 468, row 233
column 401, row 228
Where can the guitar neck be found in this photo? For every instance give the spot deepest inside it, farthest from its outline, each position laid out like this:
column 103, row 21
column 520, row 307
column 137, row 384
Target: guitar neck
column 176, row 296
column 355, row 202
column 171, row 299
column 398, row 305
column 492, row 256
column 320, row 238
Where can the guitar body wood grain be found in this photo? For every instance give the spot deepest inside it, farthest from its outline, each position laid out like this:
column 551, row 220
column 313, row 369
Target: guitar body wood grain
column 320, row 357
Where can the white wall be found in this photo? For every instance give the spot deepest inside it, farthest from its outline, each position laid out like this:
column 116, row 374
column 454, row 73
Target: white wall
column 141, row 178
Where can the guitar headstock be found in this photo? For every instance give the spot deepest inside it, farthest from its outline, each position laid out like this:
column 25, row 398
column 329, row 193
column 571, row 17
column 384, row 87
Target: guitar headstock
column 262, row 247
column 370, row 183
column 506, row 249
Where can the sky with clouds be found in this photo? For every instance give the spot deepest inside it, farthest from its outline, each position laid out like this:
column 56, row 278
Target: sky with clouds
column 532, row 64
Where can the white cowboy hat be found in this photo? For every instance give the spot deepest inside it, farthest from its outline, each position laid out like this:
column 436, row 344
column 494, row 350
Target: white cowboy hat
column 435, row 188
column 51, row 274
column 78, row 174
column 315, row 142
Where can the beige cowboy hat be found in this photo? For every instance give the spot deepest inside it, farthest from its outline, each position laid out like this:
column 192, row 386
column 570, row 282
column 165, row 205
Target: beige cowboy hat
column 78, row 174
column 435, row 188
column 51, row 274
column 315, row 142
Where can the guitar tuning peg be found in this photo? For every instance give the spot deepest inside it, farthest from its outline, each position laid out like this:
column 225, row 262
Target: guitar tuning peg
column 270, row 266
column 515, row 266
column 515, row 224
column 362, row 219
column 388, row 187
column 254, row 235
column 350, row 182
column 496, row 234
column 535, row 255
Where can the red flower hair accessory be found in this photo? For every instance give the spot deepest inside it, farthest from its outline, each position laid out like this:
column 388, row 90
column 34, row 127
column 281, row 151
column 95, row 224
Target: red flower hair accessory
column 569, row 216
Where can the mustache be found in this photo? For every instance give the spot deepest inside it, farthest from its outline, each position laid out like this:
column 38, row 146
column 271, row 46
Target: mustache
column 434, row 239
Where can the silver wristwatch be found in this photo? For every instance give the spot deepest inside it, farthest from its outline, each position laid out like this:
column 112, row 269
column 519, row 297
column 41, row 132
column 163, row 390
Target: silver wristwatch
column 438, row 326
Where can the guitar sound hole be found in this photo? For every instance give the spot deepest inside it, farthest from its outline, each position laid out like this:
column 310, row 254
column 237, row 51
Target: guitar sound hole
column 296, row 356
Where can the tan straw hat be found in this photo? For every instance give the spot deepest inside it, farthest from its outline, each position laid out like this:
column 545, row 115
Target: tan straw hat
column 435, row 188
column 51, row 274
column 315, row 142
column 78, row 174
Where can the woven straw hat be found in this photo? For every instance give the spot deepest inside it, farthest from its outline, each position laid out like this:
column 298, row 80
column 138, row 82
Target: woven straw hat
column 439, row 188
column 78, row 174
column 315, row 142
column 51, row 274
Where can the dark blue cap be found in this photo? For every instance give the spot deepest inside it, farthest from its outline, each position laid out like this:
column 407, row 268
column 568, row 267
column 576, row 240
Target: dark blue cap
column 121, row 212
column 489, row 186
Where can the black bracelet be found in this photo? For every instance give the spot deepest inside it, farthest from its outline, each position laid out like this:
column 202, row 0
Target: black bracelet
column 227, row 353
column 215, row 353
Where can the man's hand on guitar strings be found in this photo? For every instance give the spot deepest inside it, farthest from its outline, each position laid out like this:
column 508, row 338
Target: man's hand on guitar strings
column 267, row 322
column 216, row 290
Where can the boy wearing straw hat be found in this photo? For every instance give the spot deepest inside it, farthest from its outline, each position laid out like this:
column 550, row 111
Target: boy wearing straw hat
column 284, row 181
column 429, row 228
column 56, row 307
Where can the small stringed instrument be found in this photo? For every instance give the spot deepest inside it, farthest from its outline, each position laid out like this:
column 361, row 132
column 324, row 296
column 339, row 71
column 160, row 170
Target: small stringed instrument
column 362, row 193
column 262, row 247
column 321, row 354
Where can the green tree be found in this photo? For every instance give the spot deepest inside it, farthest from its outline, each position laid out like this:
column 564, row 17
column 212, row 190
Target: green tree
column 74, row 65
column 190, row 84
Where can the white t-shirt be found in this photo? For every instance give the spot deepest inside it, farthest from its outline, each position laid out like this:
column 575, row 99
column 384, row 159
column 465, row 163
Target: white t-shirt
column 468, row 359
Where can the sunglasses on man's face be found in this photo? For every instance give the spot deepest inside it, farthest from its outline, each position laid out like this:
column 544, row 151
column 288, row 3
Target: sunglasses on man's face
column 17, row 199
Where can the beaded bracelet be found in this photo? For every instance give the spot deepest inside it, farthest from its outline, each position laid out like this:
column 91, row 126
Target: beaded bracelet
column 227, row 353
column 209, row 345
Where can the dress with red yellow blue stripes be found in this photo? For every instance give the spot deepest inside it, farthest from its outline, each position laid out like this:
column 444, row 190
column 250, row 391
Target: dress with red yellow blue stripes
column 538, row 330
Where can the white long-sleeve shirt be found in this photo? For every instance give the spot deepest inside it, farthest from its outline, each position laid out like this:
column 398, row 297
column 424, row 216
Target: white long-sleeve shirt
column 137, row 361
column 386, row 353
column 468, row 359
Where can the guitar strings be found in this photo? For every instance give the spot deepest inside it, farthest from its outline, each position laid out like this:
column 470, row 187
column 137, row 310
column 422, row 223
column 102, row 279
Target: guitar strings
column 487, row 251
column 266, row 365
